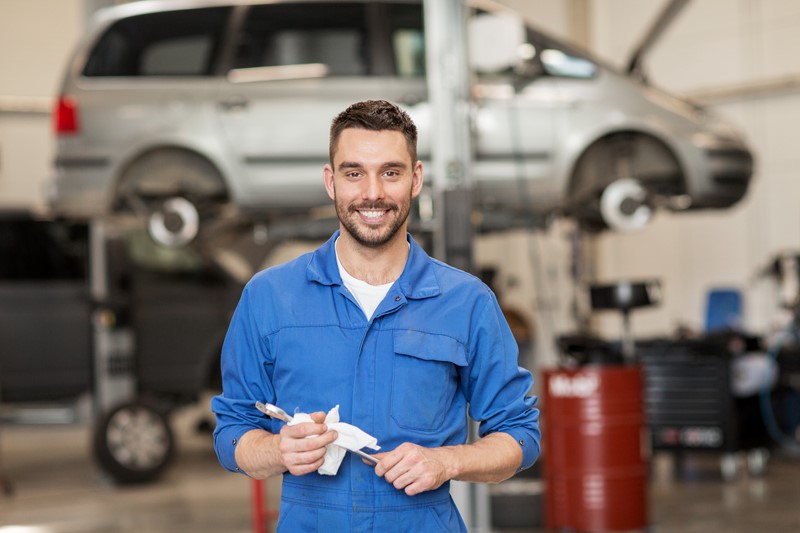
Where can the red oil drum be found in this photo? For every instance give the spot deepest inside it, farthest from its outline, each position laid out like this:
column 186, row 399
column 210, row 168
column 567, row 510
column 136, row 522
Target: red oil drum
column 595, row 450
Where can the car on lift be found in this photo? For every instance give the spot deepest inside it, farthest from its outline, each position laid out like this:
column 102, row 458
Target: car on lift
column 198, row 106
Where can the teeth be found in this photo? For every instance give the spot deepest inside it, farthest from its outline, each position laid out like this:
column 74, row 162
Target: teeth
column 372, row 214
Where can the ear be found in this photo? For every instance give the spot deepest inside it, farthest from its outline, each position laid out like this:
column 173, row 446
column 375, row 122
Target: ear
column 417, row 179
column 327, row 178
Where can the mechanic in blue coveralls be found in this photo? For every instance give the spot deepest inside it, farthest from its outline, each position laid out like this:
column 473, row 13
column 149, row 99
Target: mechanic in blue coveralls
column 405, row 345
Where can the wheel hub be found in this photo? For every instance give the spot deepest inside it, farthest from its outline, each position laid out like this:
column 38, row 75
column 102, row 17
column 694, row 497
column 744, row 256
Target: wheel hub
column 175, row 223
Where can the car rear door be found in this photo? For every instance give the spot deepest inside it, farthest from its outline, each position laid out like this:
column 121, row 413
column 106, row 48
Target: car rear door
column 294, row 66
column 145, row 84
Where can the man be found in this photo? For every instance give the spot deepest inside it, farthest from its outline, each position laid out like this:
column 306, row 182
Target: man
column 402, row 342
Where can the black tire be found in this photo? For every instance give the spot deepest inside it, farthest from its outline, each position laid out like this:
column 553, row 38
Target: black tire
column 133, row 442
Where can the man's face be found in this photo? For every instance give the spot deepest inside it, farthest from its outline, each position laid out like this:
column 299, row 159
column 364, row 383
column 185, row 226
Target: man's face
column 372, row 182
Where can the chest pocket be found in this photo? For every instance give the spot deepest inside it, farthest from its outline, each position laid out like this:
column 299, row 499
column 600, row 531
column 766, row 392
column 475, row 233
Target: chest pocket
column 424, row 378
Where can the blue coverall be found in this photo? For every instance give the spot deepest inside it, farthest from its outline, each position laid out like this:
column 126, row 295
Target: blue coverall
column 436, row 346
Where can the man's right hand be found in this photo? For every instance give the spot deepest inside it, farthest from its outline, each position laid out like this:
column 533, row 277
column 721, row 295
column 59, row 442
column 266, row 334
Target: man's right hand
column 302, row 446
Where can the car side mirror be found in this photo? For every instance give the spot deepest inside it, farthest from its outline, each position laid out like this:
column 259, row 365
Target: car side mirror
column 496, row 42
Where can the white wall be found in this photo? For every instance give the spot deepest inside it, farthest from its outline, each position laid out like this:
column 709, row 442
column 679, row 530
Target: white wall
column 36, row 37
column 715, row 43
column 551, row 15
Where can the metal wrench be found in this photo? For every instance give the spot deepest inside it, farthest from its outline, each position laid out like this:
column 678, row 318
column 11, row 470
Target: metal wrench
column 276, row 412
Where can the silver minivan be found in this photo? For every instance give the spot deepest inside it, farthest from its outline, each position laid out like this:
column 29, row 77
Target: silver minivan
column 228, row 103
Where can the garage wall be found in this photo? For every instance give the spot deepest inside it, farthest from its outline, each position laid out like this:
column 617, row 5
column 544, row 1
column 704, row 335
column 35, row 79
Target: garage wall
column 551, row 14
column 36, row 37
column 716, row 44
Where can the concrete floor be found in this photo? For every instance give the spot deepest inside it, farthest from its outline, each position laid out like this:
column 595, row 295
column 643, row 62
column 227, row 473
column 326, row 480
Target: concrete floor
column 58, row 489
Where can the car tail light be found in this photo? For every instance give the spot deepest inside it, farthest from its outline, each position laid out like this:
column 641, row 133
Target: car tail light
column 65, row 116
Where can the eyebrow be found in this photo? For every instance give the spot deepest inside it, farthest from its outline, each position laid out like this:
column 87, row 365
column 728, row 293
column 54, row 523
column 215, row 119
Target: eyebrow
column 347, row 165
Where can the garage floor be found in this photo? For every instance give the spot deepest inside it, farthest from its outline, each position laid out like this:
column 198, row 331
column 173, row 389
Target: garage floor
column 57, row 489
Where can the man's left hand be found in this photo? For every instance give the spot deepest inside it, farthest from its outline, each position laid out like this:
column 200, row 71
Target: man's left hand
column 412, row 468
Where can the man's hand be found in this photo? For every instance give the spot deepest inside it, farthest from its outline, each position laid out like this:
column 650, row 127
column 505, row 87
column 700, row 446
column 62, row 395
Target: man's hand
column 302, row 447
column 412, row 468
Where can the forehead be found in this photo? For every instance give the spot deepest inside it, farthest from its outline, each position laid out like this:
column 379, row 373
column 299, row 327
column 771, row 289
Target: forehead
column 360, row 145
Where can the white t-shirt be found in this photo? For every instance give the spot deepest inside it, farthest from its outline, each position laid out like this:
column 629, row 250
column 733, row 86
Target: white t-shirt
column 368, row 296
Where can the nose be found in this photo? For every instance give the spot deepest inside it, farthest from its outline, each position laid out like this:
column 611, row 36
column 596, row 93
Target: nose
column 373, row 189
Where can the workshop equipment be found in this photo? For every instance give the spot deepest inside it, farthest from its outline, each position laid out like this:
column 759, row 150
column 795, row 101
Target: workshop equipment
column 595, row 452
column 130, row 334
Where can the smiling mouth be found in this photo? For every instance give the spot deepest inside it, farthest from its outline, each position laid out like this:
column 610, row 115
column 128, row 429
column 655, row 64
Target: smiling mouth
column 372, row 214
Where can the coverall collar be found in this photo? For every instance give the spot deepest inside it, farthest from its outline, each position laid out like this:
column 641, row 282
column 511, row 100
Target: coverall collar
column 416, row 282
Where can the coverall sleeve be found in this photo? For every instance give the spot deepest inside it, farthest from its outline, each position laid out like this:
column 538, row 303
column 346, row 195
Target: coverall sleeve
column 497, row 389
column 246, row 368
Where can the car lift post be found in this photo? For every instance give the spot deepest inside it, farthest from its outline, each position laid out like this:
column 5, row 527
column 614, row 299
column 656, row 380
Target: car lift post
column 113, row 342
column 449, row 94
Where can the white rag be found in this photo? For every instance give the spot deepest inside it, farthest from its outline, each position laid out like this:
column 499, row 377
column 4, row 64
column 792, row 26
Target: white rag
column 349, row 437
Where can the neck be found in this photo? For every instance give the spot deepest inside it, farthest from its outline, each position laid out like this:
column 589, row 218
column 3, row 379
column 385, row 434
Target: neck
column 375, row 266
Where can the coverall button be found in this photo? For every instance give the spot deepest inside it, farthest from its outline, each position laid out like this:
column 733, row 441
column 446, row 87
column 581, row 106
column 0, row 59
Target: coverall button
column 233, row 442
column 521, row 442
column 396, row 298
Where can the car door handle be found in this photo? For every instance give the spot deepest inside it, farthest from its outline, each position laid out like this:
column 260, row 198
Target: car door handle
column 233, row 104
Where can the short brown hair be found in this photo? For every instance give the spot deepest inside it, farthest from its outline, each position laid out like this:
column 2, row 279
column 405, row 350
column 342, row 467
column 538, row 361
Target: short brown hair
column 375, row 115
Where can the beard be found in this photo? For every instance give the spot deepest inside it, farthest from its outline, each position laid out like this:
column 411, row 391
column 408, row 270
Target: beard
column 377, row 235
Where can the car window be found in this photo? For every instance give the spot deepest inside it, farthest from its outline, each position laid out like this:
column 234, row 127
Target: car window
column 334, row 36
column 559, row 63
column 171, row 43
column 408, row 39
column 558, row 59
column 181, row 56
